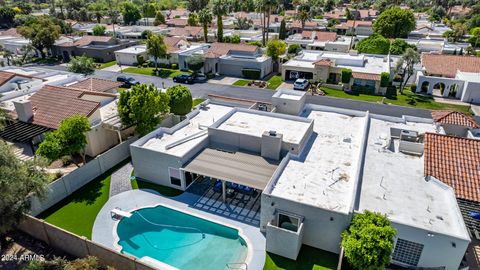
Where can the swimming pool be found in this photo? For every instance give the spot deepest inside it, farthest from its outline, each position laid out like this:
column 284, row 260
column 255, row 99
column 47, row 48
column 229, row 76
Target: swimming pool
column 180, row 240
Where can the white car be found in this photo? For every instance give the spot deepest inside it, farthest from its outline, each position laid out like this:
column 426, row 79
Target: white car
column 301, row 84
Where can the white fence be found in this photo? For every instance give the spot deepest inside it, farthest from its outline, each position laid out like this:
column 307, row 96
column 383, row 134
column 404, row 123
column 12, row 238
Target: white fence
column 66, row 185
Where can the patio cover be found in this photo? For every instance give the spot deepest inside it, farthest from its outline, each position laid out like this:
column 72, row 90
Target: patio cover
column 17, row 131
column 236, row 167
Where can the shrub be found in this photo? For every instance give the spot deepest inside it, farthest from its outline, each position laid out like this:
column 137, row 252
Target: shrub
column 174, row 66
column 140, row 60
column 384, row 79
column 346, row 75
column 397, row 78
column 294, row 49
column 391, row 91
column 253, row 74
column 413, row 88
column 363, row 89
column 180, row 99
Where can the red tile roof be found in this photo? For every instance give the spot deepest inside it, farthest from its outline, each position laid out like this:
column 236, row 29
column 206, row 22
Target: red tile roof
column 323, row 62
column 188, row 31
column 86, row 40
column 5, row 77
column 298, row 24
column 358, row 23
column 366, row 76
column 96, row 85
column 52, row 104
column 335, row 14
column 178, row 22
column 172, row 43
column 454, row 161
column 319, row 35
column 366, row 13
column 454, row 118
column 447, row 65
column 218, row 49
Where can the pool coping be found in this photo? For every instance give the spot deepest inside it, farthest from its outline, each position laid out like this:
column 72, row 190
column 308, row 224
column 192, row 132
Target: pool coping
column 104, row 228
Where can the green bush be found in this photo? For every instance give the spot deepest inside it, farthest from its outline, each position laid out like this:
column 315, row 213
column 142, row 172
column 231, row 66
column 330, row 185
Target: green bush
column 384, row 79
column 140, row 60
column 413, row 88
column 180, row 99
column 210, row 75
column 346, row 75
column 367, row 90
column 294, row 49
column 391, row 91
column 174, row 66
column 253, row 74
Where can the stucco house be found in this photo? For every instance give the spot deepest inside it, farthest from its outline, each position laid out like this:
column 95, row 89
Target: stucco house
column 453, row 76
column 362, row 28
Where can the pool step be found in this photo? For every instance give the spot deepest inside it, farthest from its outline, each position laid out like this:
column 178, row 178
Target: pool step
column 237, row 266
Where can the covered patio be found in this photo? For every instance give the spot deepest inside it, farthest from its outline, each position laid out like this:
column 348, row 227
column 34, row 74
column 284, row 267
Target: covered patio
column 234, row 171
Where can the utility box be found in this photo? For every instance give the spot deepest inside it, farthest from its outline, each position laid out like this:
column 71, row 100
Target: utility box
column 271, row 145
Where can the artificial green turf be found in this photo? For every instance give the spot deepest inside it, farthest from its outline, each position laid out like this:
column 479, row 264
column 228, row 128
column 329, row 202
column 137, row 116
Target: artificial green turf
column 77, row 212
column 107, row 64
column 163, row 72
column 197, row 101
column 241, row 83
column 309, row 258
column 423, row 102
column 274, row 82
column 165, row 191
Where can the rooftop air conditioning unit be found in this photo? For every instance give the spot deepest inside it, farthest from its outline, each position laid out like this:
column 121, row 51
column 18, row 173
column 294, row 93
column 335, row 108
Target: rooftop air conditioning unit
column 408, row 135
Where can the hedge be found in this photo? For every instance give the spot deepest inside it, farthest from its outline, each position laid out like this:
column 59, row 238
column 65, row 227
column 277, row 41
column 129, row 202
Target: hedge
column 384, row 79
column 346, row 75
column 253, row 74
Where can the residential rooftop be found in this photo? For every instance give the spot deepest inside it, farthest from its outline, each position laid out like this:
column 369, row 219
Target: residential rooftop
column 394, row 183
column 324, row 175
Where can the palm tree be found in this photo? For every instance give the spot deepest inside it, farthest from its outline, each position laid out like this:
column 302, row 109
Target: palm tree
column 355, row 5
column 97, row 9
column 220, row 8
column 156, row 48
column 269, row 6
column 260, row 7
column 243, row 23
column 205, row 18
column 303, row 13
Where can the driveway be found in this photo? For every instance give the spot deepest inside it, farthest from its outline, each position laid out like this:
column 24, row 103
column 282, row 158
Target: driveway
column 264, row 95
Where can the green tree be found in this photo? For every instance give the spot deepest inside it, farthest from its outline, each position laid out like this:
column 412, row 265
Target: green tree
column 205, row 18
column 81, row 64
column 399, row 46
column 474, row 21
column 457, row 32
column 384, row 79
column 192, row 19
column 270, row 6
column 283, row 30
column 68, row 140
column 196, row 62
column 156, row 48
column 260, row 7
column 368, row 241
column 294, row 49
column 405, row 66
column 180, row 99
column 243, row 24
column 144, row 106
column 97, row 10
column 196, row 5
column 159, row 19
column 374, row 44
column 349, row 15
column 329, row 5
column 7, row 16
column 219, row 9
column 131, row 13
column 275, row 48
column 99, row 30
column 42, row 33
column 346, row 75
column 303, row 13
column 394, row 23
column 18, row 180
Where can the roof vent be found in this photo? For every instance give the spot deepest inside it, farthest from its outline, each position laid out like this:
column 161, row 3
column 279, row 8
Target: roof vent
column 272, row 133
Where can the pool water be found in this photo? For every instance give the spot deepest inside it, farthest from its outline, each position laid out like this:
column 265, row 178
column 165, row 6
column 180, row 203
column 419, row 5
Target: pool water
column 180, row 240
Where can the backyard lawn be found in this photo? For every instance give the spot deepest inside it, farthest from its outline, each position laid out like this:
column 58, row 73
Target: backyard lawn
column 165, row 191
column 107, row 64
column 77, row 212
column 164, row 72
column 309, row 259
column 422, row 102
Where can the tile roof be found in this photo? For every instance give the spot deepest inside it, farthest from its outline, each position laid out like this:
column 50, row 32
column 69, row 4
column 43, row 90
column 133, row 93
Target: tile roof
column 358, row 23
column 454, row 118
column 52, row 104
column 323, row 62
column 365, row 76
column 218, row 49
column 334, row 14
column 5, row 77
column 447, row 65
column 366, row 13
column 10, row 32
column 319, row 35
column 454, row 161
column 86, row 40
column 96, row 85
column 188, row 31
column 177, row 22
column 298, row 24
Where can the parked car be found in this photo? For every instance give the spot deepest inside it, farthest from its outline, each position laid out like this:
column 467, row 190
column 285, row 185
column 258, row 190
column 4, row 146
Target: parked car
column 301, row 84
column 183, row 78
column 127, row 81
column 200, row 78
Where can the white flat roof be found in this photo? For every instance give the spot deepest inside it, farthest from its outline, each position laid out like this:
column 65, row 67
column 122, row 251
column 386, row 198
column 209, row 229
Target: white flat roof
column 325, row 176
column 133, row 50
column 255, row 124
column 204, row 118
column 393, row 183
column 289, row 96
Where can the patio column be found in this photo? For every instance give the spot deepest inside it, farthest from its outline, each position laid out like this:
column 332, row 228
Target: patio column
column 224, row 194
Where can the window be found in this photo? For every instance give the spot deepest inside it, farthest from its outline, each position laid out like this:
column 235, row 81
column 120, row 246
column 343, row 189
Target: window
column 288, row 222
column 175, row 178
column 407, row 252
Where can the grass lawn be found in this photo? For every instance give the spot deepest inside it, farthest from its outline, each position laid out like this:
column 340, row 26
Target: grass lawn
column 164, row 72
column 165, row 191
column 309, row 258
column 274, row 82
column 197, row 101
column 423, row 102
column 241, row 82
column 107, row 64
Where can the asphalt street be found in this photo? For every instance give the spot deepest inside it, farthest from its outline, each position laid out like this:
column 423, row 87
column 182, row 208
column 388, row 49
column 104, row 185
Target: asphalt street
column 264, row 95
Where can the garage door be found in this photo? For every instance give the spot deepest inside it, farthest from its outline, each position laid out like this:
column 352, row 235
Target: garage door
column 293, row 75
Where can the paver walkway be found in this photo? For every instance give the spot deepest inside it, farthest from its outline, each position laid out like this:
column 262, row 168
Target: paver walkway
column 120, row 181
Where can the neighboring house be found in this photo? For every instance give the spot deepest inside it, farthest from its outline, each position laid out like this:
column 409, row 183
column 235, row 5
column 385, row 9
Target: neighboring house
column 362, row 28
column 45, row 110
column 231, row 59
column 101, row 48
column 438, row 45
column 130, row 56
column 249, row 35
column 456, row 124
column 336, row 14
column 13, row 42
column 96, row 85
column 190, row 33
column 13, row 85
column 327, row 67
column 366, row 14
column 426, row 29
column 135, row 31
column 180, row 23
column 452, row 76
column 309, row 197
column 295, row 26
column 321, row 41
column 175, row 13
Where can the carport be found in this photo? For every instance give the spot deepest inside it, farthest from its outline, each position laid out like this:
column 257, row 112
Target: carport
column 233, row 166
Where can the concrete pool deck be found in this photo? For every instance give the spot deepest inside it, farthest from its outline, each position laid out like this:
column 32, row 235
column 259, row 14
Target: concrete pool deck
column 104, row 228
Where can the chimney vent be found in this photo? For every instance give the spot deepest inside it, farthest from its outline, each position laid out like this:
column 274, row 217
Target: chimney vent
column 24, row 110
